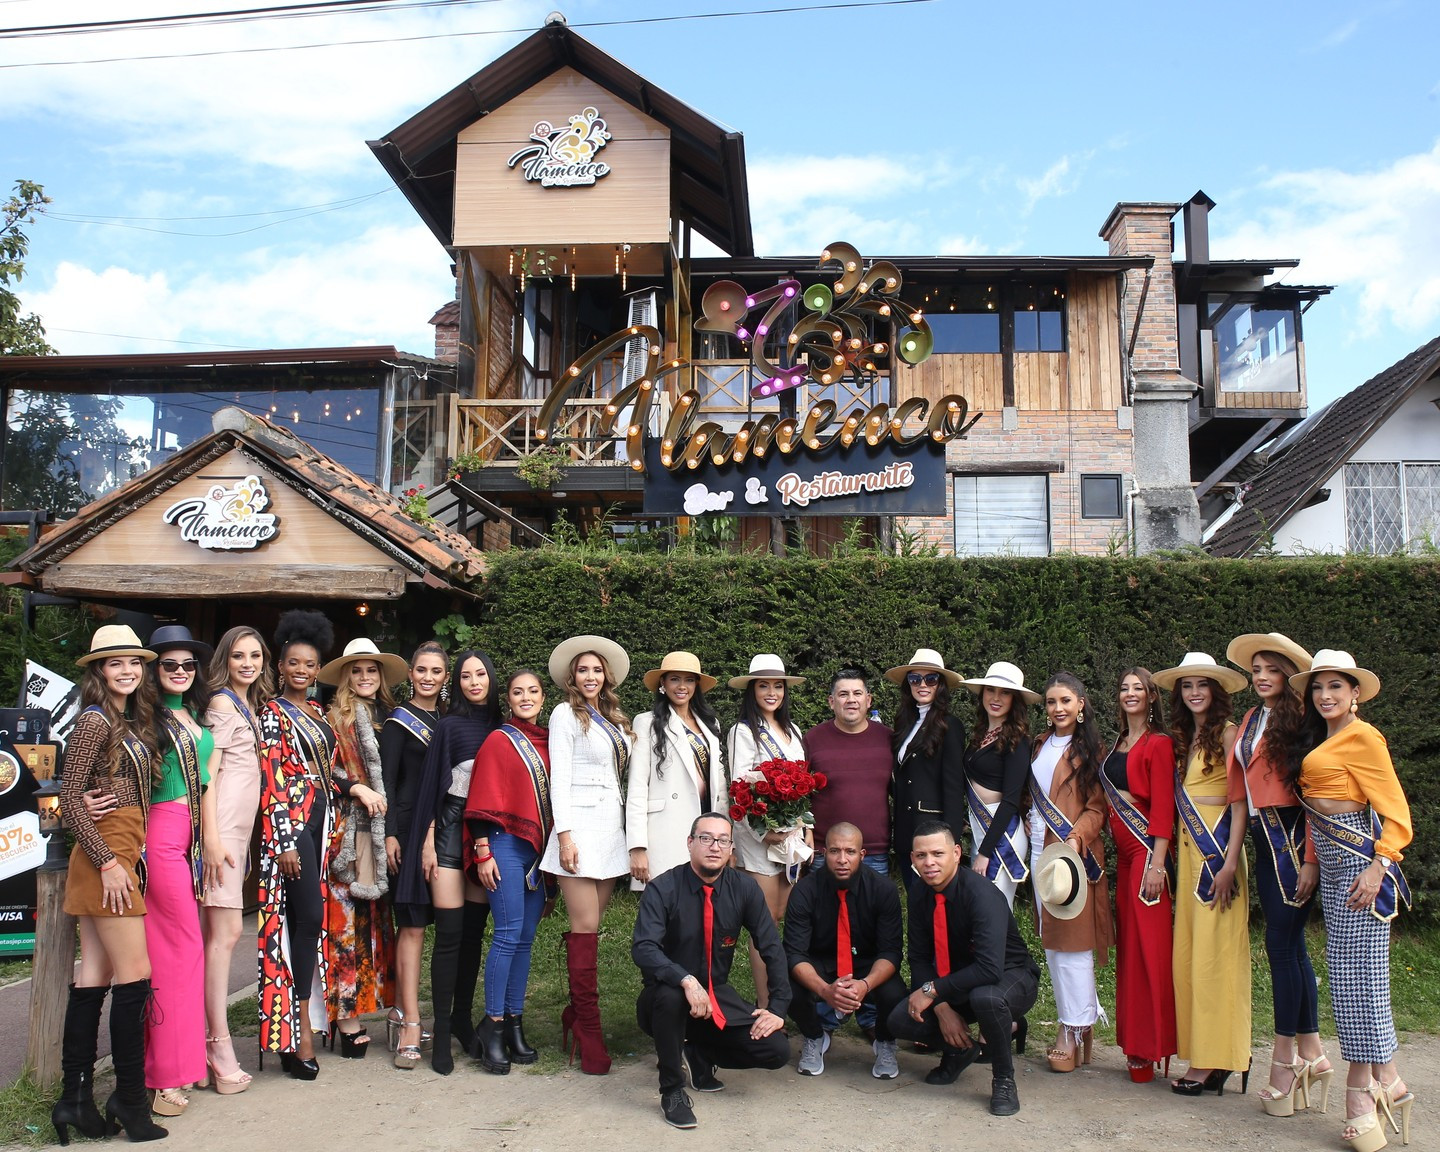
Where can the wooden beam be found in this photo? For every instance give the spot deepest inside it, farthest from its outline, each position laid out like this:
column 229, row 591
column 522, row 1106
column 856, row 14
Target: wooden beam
column 1266, row 430
column 188, row 582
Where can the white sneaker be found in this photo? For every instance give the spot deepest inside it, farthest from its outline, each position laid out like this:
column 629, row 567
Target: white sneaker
column 812, row 1055
column 886, row 1066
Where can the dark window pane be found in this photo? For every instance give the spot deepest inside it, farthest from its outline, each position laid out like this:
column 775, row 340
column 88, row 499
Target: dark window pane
column 1027, row 332
column 959, row 332
column 1100, row 497
column 1052, row 332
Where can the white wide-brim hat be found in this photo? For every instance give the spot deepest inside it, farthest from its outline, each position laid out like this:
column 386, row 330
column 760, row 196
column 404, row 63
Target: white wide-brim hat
column 1200, row 664
column 924, row 660
column 1060, row 882
column 679, row 662
column 1003, row 674
column 392, row 667
column 766, row 666
column 617, row 660
column 1241, row 651
column 115, row 640
column 1337, row 660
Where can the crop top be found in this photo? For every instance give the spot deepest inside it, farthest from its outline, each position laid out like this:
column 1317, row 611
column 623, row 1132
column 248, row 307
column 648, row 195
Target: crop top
column 1355, row 765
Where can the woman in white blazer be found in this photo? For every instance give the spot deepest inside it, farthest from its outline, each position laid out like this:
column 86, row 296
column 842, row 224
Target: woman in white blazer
column 676, row 771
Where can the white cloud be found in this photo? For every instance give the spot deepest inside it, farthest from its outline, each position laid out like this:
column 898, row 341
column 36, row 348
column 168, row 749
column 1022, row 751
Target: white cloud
column 1375, row 232
column 1060, row 179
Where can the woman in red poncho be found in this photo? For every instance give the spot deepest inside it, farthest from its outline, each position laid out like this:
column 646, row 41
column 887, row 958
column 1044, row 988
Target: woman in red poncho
column 509, row 819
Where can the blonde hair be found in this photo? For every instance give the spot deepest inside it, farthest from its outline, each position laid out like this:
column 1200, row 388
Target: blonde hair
column 607, row 703
column 343, row 706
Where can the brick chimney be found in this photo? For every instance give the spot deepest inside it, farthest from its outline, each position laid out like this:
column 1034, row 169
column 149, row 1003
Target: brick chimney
column 447, row 332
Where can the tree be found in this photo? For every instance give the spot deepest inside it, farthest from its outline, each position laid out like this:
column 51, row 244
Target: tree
column 19, row 335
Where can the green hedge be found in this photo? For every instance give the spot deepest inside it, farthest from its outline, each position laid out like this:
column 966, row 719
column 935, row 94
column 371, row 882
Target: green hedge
column 1091, row 616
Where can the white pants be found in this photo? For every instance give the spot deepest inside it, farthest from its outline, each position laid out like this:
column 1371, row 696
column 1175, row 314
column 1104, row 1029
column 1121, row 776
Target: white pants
column 1002, row 879
column 1072, row 974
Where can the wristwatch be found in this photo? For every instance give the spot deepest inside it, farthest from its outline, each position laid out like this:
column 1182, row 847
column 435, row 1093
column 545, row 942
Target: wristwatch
column 1384, row 861
column 928, row 988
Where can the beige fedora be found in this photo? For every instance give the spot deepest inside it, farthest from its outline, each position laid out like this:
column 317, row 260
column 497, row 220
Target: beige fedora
column 1200, row 664
column 115, row 640
column 766, row 666
column 392, row 667
column 1003, row 674
column 679, row 662
column 1060, row 882
column 617, row 660
column 1241, row 651
column 924, row 660
column 1337, row 660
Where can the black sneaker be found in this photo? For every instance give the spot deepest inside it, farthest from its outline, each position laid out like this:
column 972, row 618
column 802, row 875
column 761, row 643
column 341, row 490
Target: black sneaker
column 676, row 1107
column 702, row 1072
column 953, row 1062
column 1004, row 1099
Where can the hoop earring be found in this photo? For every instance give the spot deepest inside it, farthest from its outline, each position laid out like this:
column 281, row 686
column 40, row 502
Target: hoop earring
column 1080, row 719
column 1049, row 721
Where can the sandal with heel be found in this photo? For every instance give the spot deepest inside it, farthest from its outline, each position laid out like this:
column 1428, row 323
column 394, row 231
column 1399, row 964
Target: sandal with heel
column 1278, row 1103
column 169, row 1102
column 407, row 1056
column 1389, row 1102
column 230, row 1083
column 1318, row 1076
column 1367, row 1131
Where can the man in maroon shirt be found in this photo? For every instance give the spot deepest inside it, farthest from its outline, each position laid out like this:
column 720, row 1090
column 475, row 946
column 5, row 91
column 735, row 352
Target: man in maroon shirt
column 854, row 753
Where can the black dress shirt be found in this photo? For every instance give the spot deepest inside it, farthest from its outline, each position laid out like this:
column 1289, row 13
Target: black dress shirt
column 811, row 922
column 984, row 941
column 669, row 940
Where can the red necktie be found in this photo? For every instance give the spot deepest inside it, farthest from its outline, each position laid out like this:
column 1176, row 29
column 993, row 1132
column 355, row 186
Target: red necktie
column 715, row 1012
column 942, row 937
column 844, row 964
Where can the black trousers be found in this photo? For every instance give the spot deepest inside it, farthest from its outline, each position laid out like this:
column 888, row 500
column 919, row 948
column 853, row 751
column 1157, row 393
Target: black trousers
column 664, row 1013
column 993, row 1006
column 304, row 910
column 884, row 997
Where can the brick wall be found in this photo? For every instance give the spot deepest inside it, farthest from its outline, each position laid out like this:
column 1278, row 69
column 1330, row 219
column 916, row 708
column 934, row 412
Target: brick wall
column 1144, row 230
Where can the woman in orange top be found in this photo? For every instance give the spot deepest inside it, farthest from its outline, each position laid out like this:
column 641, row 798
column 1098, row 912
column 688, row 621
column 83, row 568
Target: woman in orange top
column 1361, row 823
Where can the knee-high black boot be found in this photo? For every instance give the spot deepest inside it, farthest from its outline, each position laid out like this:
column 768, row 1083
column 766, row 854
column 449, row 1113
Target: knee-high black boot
column 467, row 972
column 443, row 958
column 76, row 1106
column 129, row 1105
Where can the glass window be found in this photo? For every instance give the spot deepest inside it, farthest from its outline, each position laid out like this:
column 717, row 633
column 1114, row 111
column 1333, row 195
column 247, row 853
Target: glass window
column 963, row 317
column 1002, row 515
column 1039, row 311
column 1391, row 507
column 1100, row 497
column 1255, row 350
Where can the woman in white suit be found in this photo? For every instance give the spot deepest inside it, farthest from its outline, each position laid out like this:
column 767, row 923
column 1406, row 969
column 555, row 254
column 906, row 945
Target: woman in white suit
column 675, row 771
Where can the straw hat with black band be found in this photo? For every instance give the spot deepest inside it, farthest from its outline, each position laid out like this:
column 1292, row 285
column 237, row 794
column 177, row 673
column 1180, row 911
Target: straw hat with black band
column 392, row 667
column 617, row 660
column 679, row 662
column 1003, row 674
column 1241, row 651
column 766, row 666
column 1338, row 660
column 1200, row 664
column 924, row 660
column 1061, row 885
column 115, row 640
column 177, row 638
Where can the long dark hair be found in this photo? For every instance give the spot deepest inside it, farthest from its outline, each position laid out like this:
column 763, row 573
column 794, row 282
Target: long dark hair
column 1211, row 736
column 932, row 732
column 1085, row 750
column 1014, row 728
column 1154, row 717
column 195, row 699
column 1310, row 733
column 430, row 648
column 510, row 680
column 752, row 717
column 140, row 718
column 1287, row 717
column 459, row 705
column 217, row 673
column 660, row 717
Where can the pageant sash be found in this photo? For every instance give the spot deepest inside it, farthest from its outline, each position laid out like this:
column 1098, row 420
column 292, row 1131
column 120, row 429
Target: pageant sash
column 138, row 754
column 187, row 752
column 1211, row 845
column 1393, row 886
column 1056, row 821
column 1285, row 851
column 412, row 722
column 701, row 751
column 540, row 784
column 1137, row 825
column 244, row 710
column 768, row 746
column 315, row 736
column 1005, row 853
column 619, row 748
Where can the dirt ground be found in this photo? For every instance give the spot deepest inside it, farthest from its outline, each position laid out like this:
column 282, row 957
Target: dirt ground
column 370, row 1105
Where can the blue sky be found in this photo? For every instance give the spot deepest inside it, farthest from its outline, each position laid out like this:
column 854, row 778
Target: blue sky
column 944, row 127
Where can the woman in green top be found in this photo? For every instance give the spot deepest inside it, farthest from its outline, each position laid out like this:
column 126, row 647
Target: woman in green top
column 183, row 857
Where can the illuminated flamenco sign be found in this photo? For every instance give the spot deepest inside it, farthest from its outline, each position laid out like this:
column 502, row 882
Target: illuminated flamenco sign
column 564, row 157
column 226, row 519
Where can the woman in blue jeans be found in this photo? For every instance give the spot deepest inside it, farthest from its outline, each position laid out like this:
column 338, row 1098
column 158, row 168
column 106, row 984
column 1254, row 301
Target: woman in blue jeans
column 509, row 819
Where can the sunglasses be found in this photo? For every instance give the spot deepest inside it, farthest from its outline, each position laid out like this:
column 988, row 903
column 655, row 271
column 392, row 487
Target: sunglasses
column 179, row 665
column 930, row 678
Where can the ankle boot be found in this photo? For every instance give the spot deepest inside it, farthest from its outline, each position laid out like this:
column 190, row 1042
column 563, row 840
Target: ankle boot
column 489, row 1047
column 581, row 961
column 467, row 972
column 448, row 923
column 76, row 1106
column 129, row 1105
column 515, row 1043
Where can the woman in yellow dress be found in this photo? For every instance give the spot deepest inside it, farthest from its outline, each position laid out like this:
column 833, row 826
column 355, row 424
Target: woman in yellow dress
column 1212, row 901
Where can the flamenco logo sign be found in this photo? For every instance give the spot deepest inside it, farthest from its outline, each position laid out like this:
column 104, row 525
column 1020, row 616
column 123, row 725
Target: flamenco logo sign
column 565, row 157
column 226, row 519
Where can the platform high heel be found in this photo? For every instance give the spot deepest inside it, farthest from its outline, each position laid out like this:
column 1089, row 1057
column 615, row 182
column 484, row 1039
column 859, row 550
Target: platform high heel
column 1277, row 1103
column 1389, row 1102
column 1368, row 1128
column 1314, row 1076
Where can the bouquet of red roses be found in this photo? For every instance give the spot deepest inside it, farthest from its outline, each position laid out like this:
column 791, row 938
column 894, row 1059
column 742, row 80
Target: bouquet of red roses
column 775, row 795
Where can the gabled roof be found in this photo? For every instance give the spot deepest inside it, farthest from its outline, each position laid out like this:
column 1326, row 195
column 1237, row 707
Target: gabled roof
column 1325, row 442
column 433, row 553
column 707, row 159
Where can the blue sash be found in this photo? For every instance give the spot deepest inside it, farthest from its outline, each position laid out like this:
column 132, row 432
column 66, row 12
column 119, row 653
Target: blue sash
column 1393, row 885
column 244, row 710
column 413, row 723
column 1056, row 821
column 1211, row 845
column 618, row 745
column 1005, row 852
column 765, row 742
column 1286, row 850
column 540, row 783
column 1137, row 825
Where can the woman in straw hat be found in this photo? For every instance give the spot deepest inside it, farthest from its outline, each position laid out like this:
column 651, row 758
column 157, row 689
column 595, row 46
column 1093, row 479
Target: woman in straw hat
column 997, row 768
column 357, row 912
column 676, row 773
column 1212, row 919
column 1361, row 824
column 1139, row 781
column 112, row 748
column 297, row 753
column 1286, row 867
column 590, row 741
column 765, row 732
column 929, row 750
column 1068, row 807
